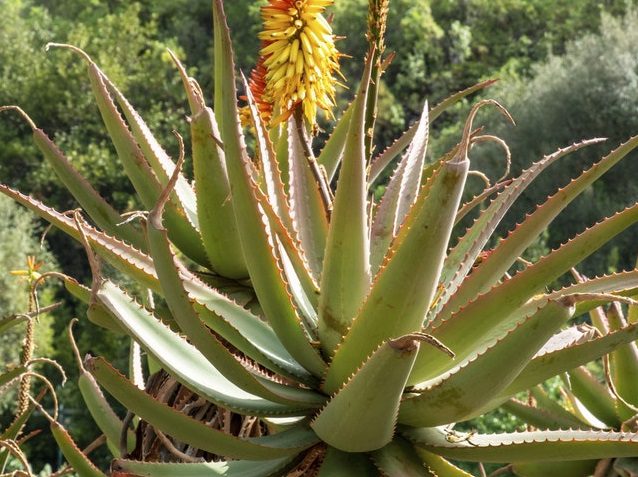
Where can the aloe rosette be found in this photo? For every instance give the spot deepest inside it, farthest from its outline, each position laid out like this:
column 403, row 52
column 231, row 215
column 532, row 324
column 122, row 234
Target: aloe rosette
column 298, row 327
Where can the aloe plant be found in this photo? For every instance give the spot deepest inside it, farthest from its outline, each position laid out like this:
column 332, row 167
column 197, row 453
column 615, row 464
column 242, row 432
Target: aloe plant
column 292, row 325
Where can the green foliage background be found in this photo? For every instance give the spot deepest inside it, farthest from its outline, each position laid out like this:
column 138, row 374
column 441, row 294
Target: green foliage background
column 568, row 71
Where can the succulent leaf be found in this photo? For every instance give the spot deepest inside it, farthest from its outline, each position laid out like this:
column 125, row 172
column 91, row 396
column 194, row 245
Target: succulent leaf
column 526, row 446
column 508, row 250
column 189, row 430
column 345, row 277
column 493, row 310
column 361, row 416
column 193, row 369
column 400, row 194
column 307, row 208
column 555, row 362
column 91, row 201
column 406, row 285
column 234, row 468
column 385, row 158
column 399, row 459
column 458, row 394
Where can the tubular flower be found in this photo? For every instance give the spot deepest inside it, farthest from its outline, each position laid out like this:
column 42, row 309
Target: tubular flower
column 299, row 57
column 257, row 84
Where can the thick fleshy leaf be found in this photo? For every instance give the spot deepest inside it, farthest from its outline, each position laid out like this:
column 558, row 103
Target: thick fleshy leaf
column 307, row 208
column 235, row 468
column 399, row 459
column 122, row 256
column 255, row 237
column 526, row 446
column 103, row 415
column 385, row 158
column 80, row 463
column 550, row 364
column 215, row 209
column 90, row 199
column 403, row 289
column 271, row 174
column 332, row 152
column 141, row 175
column 462, row 257
column 499, row 260
column 162, row 165
column 345, row 278
column 623, row 361
column 575, row 468
column 438, row 466
column 362, row 415
column 495, row 310
column 595, row 396
column 542, row 418
column 190, row 366
column 245, row 331
column 400, row 194
column 461, row 393
column 168, row 272
column 345, row 464
column 191, row 431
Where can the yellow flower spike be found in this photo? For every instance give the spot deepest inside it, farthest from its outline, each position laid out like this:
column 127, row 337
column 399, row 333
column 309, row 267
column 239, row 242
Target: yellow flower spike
column 31, row 273
column 298, row 60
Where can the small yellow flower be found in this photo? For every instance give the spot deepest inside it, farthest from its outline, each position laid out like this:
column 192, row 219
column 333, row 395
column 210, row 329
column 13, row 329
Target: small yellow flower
column 31, row 273
column 299, row 58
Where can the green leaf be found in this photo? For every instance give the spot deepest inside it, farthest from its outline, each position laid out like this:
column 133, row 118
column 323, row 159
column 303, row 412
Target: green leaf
column 399, row 459
column 141, row 175
column 307, row 209
column 438, row 466
column 262, row 262
column 236, row 468
column 496, row 309
column 103, row 415
column 215, row 209
column 168, row 271
column 345, row 278
column 193, row 432
column 245, row 331
column 361, row 416
column 542, row 418
column 190, row 366
column 403, row 289
column 80, row 463
column 547, row 365
column 595, row 396
column 400, row 194
column 575, row 468
column 345, row 464
column 526, row 446
column 461, row 393
column 271, row 174
column 122, row 256
column 183, row 195
column 463, row 256
column 492, row 268
column 332, row 152
column 623, row 361
column 91, row 201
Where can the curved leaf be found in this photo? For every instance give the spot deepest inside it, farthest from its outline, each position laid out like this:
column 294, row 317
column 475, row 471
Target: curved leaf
column 191, row 431
column 526, row 446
